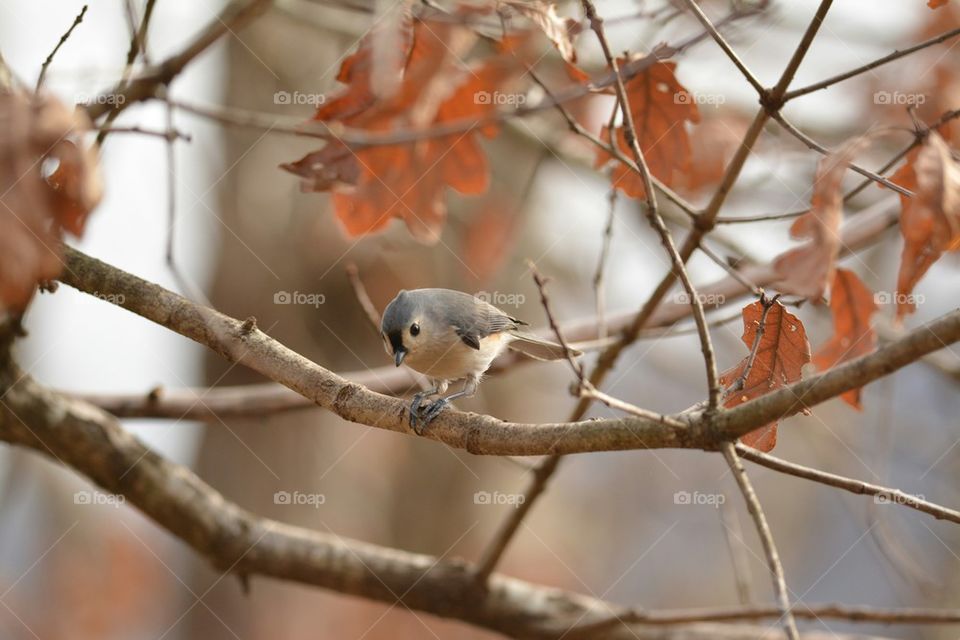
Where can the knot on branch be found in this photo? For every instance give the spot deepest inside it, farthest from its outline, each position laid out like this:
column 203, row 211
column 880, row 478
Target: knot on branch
column 771, row 101
column 704, row 224
column 249, row 326
column 343, row 396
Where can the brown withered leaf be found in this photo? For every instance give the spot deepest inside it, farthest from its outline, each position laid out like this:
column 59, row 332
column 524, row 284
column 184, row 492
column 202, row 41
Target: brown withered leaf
column 779, row 357
column 50, row 182
column 373, row 185
column 718, row 138
column 661, row 108
column 930, row 220
column 806, row 270
column 852, row 304
column 560, row 31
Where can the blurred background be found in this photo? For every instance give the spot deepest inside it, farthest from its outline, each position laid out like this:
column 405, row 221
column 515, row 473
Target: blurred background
column 609, row 524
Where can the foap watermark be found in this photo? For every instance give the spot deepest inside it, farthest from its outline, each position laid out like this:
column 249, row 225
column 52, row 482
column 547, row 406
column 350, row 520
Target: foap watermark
column 706, row 299
column 112, row 99
column 893, row 498
column 500, row 298
column 895, row 297
column 298, row 498
column 298, row 97
column 95, row 497
column 486, row 497
column 899, row 98
column 699, row 99
column 699, row 499
column 299, row 297
column 499, row 98
column 113, row 298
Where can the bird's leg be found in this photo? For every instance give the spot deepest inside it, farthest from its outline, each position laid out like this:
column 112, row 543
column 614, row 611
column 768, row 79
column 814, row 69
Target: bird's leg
column 435, row 407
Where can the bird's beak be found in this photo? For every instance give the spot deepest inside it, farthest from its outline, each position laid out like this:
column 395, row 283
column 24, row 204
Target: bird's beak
column 399, row 355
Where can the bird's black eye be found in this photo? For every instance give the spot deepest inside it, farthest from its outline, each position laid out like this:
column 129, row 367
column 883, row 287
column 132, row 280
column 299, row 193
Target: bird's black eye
column 414, row 329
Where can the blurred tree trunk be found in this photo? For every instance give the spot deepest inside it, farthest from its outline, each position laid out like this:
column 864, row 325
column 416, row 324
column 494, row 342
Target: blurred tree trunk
column 376, row 486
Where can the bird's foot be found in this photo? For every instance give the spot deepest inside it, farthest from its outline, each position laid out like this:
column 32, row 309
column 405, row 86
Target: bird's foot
column 421, row 417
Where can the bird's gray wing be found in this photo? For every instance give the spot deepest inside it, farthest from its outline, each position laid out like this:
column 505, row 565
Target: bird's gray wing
column 474, row 319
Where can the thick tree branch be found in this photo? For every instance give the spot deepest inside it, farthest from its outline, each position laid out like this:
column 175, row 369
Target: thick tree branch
column 240, row 342
column 269, row 397
column 237, row 541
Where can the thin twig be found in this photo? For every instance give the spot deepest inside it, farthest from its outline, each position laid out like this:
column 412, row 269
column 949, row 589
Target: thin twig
column 360, row 292
column 704, row 224
column 917, row 140
column 599, row 297
column 896, row 55
column 850, row 613
column 766, row 539
column 138, row 46
column 169, row 134
column 144, row 86
column 733, row 535
column 63, row 38
column 886, row 494
column 816, row 146
column 611, row 148
column 727, row 49
column 545, row 302
column 733, row 271
column 656, row 221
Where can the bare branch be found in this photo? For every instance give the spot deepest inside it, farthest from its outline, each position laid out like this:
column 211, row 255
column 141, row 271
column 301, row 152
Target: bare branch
column 63, row 38
column 727, row 49
column 479, row 433
column 244, row 544
column 766, row 538
column 656, row 221
column 144, row 86
column 887, row 494
column 816, row 146
column 363, row 298
column 266, row 398
column 896, row 55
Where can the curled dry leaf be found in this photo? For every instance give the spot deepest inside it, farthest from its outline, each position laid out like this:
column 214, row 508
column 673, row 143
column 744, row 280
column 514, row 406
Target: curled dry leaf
column 661, row 108
column 778, row 350
column 50, row 182
column 806, row 270
column 373, row 185
column 561, row 31
column 930, row 220
column 852, row 304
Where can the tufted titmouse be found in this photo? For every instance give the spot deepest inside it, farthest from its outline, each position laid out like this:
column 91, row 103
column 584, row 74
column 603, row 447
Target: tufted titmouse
column 447, row 335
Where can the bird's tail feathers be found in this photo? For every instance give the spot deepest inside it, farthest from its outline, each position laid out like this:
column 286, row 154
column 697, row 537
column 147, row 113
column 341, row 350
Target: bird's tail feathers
column 537, row 348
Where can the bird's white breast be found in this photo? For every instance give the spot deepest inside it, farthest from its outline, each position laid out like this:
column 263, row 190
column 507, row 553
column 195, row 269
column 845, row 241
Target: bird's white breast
column 452, row 359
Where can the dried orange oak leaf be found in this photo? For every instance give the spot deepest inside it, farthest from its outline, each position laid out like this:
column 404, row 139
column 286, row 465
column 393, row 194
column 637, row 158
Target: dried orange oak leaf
column 806, row 270
column 560, row 31
column 373, row 185
column 661, row 108
column 930, row 220
column 774, row 362
column 49, row 183
column 852, row 304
